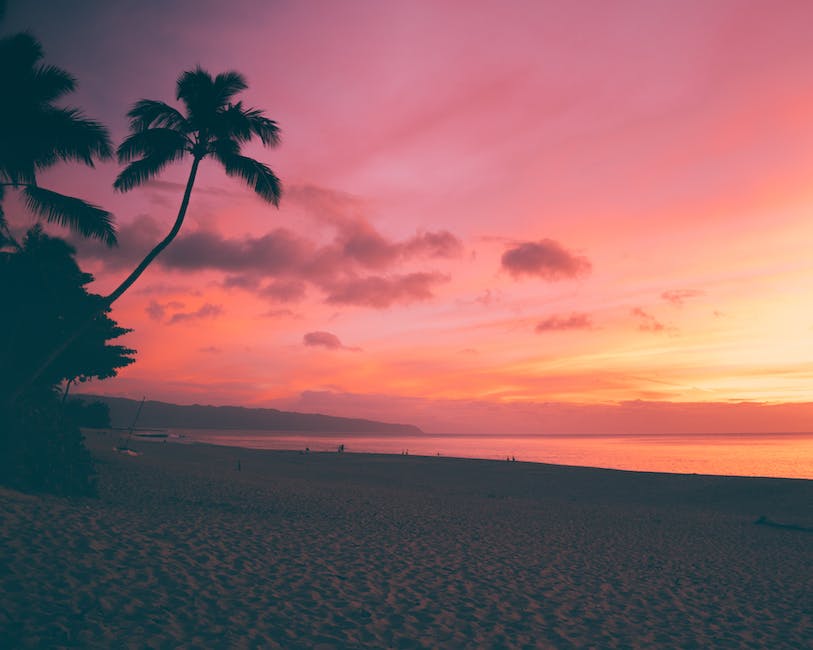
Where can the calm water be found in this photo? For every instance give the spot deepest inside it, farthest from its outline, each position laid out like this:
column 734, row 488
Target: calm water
column 780, row 455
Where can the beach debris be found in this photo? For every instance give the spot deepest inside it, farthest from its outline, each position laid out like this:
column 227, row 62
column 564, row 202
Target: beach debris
column 127, row 451
column 764, row 521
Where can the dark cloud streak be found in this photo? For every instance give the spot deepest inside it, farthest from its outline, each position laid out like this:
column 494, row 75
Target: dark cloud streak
column 560, row 323
column 546, row 259
column 280, row 264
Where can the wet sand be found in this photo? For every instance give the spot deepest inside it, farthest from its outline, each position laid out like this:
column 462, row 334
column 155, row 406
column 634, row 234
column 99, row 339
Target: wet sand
column 369, row 551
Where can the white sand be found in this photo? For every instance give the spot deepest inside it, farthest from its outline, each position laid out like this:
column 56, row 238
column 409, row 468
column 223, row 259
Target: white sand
column 356, row 551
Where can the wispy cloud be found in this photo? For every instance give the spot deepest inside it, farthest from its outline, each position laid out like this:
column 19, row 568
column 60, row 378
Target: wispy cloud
column 678, row 296
column 207, row 310
column 647, row 322
column 559, row 323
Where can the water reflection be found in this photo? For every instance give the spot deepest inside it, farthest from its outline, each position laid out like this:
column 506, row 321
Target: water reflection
column 779, row 455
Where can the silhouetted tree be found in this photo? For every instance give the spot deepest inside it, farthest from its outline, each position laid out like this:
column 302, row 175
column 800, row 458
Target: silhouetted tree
column 35, row 134
column 43, row 296
column 42, row 290
column 95, row 415
column 212, row 126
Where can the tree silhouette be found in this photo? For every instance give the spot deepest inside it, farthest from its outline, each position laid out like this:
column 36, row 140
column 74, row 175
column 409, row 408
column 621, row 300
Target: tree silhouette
column 35, row 134
column 212, row 126
column 43, row 295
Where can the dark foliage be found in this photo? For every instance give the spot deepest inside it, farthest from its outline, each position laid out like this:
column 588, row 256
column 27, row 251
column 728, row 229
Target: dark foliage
column 36, row 133
column 43, row 293
column 41, row 449
column 92, row 415
column 42, row 290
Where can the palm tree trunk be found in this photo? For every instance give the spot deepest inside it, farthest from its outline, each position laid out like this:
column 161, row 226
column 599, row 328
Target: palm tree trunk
column 12, row 397
column 163, row 243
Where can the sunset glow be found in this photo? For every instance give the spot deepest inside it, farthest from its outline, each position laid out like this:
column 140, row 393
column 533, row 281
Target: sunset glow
column 497, row 217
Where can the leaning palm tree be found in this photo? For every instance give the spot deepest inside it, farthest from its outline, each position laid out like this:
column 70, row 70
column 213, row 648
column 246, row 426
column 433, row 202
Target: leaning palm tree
column 35, row 134
column 212, row 126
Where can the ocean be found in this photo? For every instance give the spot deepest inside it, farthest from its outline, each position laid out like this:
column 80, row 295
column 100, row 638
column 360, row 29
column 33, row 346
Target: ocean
column 788, row 455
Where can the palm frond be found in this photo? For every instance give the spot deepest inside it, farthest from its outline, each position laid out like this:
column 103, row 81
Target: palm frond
column 257, row 176
column 223, row 148
column 156, row 142
column 19, row 51
column 68, row 135
column 148, row 113
column 194, row 89
column 85, row 218
column 226, row 85
column 50, row 83
column 142, row 170
column 266, row 129
column 244, row 123
column 191, row 82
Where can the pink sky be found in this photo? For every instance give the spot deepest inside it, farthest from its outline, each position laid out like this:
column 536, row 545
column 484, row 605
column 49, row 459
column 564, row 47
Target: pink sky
column 498, row 217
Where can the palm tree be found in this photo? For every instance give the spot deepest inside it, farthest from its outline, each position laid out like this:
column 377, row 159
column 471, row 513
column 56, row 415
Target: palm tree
column 212, row 126
column 35, row 134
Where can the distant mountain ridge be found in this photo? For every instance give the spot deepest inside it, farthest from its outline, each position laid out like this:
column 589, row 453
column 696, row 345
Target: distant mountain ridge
column 162, row 415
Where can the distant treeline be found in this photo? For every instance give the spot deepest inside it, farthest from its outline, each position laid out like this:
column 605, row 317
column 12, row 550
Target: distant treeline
column 163, row 415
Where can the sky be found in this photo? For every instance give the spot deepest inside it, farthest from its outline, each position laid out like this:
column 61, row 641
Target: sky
column 501, row 217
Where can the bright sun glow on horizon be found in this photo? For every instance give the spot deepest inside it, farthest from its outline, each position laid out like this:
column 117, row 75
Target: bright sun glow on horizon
column 494, row 215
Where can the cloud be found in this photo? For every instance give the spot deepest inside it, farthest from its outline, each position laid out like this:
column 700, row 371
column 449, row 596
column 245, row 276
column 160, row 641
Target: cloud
column 284, row 290
column 360, row 242
column 279, row 313
column 135, row 238
column 177, row 189
column 382, row 292
column 157, row 310
column 322, row 339
column 433, row 244
column 325, row 204
column 325, row 340
column 163, row 288
column 559, row 323
column 208, row 310
column 246, row 282
column 547, row 259
column 271, row 253
column 488, row 297
column 354, row 267
column 678, row 296
column 647, row 322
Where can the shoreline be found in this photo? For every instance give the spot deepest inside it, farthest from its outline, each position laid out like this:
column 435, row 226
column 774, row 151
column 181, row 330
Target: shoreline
column 372, row 550
column 476, row 458
column 554, row 454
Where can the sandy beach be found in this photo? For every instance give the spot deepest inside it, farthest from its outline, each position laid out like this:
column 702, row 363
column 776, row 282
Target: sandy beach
column 330, row 550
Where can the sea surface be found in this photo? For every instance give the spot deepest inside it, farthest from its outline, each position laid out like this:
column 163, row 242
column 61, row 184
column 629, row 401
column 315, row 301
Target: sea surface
column 787, row 455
